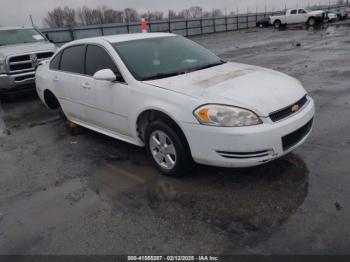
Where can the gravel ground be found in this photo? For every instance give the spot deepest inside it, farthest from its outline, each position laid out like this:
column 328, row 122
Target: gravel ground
column 90, row 194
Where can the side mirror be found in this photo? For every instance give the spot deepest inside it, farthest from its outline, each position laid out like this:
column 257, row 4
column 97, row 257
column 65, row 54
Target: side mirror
column 106, row 75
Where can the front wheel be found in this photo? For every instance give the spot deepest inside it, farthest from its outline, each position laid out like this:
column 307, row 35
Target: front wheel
column 168, row 149
column 311, row 21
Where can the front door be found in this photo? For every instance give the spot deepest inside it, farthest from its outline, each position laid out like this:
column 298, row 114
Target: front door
column 292, row 18
column 105, row 103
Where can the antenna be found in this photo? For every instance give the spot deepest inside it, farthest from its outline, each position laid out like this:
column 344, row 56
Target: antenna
column 31, row 20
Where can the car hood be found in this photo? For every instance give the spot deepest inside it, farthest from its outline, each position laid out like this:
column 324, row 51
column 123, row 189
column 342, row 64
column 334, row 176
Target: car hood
column 18, row 49
column 261, row 90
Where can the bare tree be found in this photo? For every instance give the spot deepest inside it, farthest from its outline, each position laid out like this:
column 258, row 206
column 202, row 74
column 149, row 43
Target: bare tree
column 131, row 15
column 171, row 14
column 61, row 17
column 185, row 13
column 69, row 16
column 196, row 11
column 112, row 16
column 207, row 14
column 217, row 13
column 85, row 15
column 55, row 18
column 156, row 15
column 97, row 16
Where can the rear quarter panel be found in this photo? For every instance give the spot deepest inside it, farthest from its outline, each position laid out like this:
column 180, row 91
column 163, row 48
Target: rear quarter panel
column 43, row 80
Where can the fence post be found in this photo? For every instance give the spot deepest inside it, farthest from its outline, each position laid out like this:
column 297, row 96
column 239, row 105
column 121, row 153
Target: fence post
column 201, row 25
column 102, row 31
column 226, row 19
column 214, row 24
column 71, row 33
column 186, row 26
column 247, row 21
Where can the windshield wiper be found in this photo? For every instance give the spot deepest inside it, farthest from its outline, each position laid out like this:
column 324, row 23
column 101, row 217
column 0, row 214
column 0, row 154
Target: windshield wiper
column 165, row 75
column 208, row 66
column 162, row 75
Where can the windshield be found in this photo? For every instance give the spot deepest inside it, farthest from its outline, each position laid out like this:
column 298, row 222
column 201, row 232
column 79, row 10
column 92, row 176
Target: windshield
column 162, row 57
column 20, row 36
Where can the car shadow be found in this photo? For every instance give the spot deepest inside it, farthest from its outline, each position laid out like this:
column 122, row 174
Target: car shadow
column 245, row 204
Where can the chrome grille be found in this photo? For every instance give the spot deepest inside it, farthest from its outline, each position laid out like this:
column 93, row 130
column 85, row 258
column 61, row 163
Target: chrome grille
column 288, row 111
column 26, row 63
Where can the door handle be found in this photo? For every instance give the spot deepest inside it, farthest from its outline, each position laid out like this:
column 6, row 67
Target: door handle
column 55, row 78
column 86, row 85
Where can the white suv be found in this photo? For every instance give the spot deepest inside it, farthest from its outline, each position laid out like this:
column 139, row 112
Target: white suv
column 178, row 99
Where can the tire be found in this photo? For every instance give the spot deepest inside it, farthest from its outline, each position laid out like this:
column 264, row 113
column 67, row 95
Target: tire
column 311, row 21
column 167, row 148
column 277, row 24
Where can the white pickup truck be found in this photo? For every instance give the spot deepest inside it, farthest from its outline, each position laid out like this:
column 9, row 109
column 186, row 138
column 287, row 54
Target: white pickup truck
column 21, row 51
column 297, row 16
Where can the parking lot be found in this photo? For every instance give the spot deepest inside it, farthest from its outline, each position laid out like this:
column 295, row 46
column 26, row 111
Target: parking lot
column 90, row 194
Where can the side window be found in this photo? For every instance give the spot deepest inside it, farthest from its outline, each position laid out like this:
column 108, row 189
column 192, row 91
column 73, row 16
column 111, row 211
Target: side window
column 302, row 11
column 97, row 59
column 73, row 59
column 293, row 12
column 55, row 62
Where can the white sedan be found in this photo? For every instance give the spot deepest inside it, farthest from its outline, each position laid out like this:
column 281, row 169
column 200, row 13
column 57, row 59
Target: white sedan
column 180, row 101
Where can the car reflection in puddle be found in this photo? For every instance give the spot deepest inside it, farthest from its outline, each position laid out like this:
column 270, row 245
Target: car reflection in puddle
column 240, row 202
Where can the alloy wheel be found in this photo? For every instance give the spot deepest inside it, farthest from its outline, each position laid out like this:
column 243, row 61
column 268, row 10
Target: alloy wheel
column 162, row 149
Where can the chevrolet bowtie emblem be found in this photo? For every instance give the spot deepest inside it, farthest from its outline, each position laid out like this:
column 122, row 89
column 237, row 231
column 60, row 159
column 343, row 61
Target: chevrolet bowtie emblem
column 295, row 108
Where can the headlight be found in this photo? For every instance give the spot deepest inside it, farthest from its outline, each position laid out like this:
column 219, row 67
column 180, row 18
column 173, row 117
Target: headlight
column 226, row 116
column 2, row 66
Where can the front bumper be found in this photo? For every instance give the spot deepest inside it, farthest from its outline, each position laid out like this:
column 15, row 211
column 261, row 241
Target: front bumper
column 16, row 82
column 247, row 146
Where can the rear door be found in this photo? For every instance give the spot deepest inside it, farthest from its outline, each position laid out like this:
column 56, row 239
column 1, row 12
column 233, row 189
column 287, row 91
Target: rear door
column 68, row 79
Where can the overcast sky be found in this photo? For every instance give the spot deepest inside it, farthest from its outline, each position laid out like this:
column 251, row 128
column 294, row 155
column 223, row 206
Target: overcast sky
column 16, row 12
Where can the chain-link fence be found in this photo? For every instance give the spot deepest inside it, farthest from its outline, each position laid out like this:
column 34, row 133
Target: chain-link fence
column 185, row 27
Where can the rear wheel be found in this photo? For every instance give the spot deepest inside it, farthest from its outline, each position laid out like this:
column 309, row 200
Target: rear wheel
column 311, row 21
column 168, row 149
column 277, row 24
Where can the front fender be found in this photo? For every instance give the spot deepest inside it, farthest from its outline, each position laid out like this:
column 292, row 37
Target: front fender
column 177, row 106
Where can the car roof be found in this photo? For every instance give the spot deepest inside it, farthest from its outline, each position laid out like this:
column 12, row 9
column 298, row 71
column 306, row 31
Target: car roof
column 122, row 37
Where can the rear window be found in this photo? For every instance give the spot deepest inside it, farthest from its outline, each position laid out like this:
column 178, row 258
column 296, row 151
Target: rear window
column 73, row 59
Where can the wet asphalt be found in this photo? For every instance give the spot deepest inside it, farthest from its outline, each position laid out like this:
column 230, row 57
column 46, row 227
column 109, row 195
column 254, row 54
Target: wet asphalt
column 90, row 194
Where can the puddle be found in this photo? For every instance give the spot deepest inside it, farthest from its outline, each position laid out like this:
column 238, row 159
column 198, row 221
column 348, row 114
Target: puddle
column 240, row 203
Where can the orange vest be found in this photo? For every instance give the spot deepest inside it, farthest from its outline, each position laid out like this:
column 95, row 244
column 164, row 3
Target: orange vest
column 144, row 25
